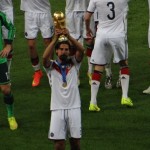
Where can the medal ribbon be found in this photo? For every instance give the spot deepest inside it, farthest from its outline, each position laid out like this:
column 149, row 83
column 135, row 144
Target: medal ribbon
column 63, row 71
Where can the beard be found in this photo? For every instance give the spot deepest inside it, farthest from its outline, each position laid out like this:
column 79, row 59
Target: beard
column 64, row 58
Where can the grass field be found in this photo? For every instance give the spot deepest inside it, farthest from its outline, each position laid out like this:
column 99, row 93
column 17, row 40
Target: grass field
column 114, row 128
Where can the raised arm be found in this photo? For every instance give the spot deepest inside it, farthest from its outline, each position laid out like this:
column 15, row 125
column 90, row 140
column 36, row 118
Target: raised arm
column 49, row 51
column 78, row 46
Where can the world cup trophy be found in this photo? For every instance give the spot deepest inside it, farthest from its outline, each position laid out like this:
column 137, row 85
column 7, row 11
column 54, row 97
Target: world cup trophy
column 59, row 23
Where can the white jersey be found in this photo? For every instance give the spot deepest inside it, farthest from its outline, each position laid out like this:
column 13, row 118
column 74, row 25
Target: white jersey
column 67, row 97
column 111, row 16
column 81, row 5
column 36, row 6
column 96, row 15
column 6, row 5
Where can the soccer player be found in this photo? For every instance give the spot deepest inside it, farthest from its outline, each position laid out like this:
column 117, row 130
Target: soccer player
column 6, row 6
column 108, row 81
column 65, row 97
column 37, row 18
column 110, row 36
column 147, row 91
column 75, row 10
column 4, row 79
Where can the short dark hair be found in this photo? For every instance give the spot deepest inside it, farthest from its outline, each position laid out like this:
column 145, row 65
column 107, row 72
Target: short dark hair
column 57, row 46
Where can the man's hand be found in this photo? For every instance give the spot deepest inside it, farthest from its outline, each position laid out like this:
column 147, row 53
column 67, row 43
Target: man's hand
column 5, row 51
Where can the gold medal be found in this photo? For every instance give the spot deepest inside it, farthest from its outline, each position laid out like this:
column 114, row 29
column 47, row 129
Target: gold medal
column 64, row 84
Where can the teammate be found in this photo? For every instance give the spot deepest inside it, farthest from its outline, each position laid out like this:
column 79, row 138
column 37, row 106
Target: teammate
column 37, row 18
column 75, row 10
column 6, row 6
column 65, row 98
column 108, row 81
column 111, row 36
column 147, row 91
column 4, row 80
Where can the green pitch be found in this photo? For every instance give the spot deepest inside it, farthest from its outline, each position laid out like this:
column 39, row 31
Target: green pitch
column 113, row 128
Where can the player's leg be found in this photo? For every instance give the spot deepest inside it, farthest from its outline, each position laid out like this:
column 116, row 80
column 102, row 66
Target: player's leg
column 74, row 126
column 120, row 55
column 58, row 129
column 74, row 144
column 59, row 144
column 8, row 96
column 99, row 60
column 108, row 80
column 33, row 54
column 31, row 30
column 95, row 84
column 124, row 70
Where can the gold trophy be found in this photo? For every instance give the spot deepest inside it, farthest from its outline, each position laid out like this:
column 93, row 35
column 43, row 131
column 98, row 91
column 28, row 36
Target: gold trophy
column 59, row 22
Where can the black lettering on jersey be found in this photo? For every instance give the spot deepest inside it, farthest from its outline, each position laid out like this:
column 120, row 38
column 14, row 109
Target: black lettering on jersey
column 111, row 5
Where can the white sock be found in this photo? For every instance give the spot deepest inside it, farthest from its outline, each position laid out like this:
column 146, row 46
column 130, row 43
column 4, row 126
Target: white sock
column 36, row 67
column 125, row 85
column 94, row 90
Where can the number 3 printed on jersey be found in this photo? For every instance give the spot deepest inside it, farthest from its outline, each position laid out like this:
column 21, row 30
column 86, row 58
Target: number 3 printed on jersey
column 111, row 5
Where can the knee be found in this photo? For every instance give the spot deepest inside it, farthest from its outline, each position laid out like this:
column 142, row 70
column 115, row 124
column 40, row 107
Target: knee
column 8, row 99
column 5, row 89
column 123, row 63
column 124, row 69
column 59, row 145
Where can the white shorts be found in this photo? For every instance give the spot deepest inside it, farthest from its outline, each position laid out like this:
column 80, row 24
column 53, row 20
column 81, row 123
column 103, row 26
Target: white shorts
column 70, row 23
column 10, row 16
column 104, row 48
column 63, row 121
column 77, row 24
column 35, row 22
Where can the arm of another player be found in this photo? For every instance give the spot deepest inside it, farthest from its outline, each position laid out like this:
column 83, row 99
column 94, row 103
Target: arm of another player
column 87, row 18
column 11, row 31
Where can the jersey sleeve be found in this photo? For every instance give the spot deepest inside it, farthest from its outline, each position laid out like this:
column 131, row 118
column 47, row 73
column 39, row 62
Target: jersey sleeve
column 8, row 24
column 91, row 7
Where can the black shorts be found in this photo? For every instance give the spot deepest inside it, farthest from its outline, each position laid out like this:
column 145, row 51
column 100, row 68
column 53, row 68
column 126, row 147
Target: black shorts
column 4, row 78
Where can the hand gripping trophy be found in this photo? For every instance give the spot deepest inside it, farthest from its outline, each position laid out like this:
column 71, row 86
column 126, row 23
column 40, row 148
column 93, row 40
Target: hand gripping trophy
column 59, row 22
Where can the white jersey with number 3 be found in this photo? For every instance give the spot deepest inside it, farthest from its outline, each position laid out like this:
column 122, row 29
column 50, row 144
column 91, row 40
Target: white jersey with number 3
column 111, row 14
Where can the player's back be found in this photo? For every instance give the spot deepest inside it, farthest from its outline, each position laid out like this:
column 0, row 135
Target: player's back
column 111, row 14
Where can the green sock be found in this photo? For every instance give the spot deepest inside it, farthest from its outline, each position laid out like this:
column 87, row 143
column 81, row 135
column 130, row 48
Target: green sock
column 9, row 110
